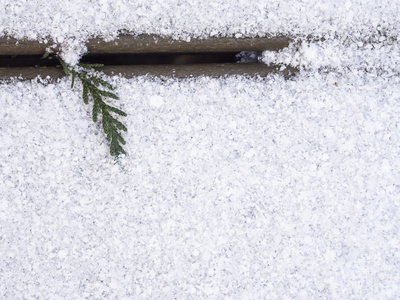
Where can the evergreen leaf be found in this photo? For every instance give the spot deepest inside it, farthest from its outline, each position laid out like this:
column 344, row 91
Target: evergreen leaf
column 85, row 95
column 90, row 86
column 106, row 125
column 117, row 123
column 96, row 65
column 115, row 147
column 121, row 139
column 73, row 79
column 113, row 136
column 105, row 83
column 95, row 81
column 95, row 112
column 83, row 75
column 90, row 66
column 116, row 110
column 108, row 94
column 46, row 55
column 116, row 135
column 96, row 96
column 66, row 69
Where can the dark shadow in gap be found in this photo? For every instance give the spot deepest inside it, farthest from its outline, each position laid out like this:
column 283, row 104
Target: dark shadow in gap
column 130, row 59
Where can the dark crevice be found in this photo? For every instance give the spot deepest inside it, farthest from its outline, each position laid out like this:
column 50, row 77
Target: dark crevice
column 8, row 61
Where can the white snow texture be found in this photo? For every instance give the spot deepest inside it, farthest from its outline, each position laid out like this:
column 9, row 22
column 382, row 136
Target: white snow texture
column 233, row 188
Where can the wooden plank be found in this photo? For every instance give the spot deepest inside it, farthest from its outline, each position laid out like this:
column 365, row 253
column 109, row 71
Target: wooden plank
column 182, row 71
column 150, row 44
column 155, row 44
column 178, row 71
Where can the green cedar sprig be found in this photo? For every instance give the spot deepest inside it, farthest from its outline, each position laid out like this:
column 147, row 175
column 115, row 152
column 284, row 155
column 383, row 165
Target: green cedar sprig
column 91, row 86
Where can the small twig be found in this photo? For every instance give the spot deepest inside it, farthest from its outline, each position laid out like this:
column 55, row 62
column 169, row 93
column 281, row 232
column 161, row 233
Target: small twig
column 91, row 86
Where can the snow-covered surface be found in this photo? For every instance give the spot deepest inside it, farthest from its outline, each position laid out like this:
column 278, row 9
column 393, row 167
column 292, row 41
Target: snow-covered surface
column 234, row 188
column 80, row 19
column 70, row 23
column 380, row 57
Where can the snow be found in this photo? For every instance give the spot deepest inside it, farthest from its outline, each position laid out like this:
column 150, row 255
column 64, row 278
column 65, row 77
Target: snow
column 233, row 188
column 380, row 57
column 72, row 22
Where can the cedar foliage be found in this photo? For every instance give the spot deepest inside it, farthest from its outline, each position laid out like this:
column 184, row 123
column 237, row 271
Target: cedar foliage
column 91, row 89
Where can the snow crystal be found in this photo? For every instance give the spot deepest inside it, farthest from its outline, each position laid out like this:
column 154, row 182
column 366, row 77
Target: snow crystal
column 156, row 101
